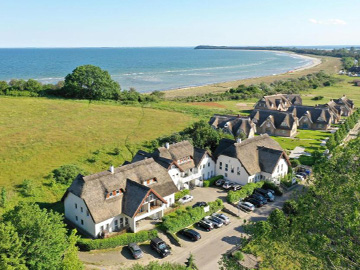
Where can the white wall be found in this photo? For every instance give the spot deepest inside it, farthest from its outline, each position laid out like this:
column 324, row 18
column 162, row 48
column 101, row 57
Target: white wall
column 170, row 200
column 206, row 168
column 175, row 176
column 241, row 179
column 281, row 169
column 71, row 213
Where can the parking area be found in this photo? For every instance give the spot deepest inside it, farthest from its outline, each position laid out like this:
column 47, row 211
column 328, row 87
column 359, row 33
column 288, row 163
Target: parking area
column 207, row 250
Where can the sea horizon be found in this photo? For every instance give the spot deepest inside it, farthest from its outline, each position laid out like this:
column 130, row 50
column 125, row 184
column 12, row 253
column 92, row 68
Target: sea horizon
column 148, row 68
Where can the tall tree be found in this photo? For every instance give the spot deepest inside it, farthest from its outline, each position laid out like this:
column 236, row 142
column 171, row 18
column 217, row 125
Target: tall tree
column 91, row 82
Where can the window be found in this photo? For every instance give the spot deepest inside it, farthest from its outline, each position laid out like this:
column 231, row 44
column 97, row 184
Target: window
column 126, row 221
column 116, row 222
column 238, row 171
column 87, row 213
column 226, row 167
column 232, row 169
column 208, row 164
column 225, row 174
column 75, row 205
column 121, row 222
column 220, row 166
column 82, row 222
column 76, row 218
column 282, row 167
column 278, row 168
column 101, row 228
column 81, row 209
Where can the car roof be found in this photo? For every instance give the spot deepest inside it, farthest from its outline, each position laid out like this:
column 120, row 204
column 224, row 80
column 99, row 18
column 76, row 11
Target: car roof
column 157, row 240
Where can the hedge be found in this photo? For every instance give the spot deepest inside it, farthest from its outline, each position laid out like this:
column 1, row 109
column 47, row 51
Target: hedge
column 210, row 182
column 248, row 189
column 271, row 185
column 185, row 217
column 180, row 194
column 119, row 240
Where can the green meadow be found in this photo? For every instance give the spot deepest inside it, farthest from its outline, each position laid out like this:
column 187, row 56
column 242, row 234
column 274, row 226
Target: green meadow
column 38, row 135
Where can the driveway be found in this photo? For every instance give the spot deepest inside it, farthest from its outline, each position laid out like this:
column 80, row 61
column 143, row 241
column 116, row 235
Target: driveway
column 207, row 251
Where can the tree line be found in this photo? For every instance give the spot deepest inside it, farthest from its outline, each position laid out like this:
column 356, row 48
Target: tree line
column 85, row 82
column 290, row 86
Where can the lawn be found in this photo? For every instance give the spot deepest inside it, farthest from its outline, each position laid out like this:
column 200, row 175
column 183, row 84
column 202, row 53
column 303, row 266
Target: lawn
column 309, row 139
column 38, row 135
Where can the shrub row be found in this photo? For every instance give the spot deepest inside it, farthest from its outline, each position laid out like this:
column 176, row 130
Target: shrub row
column 186, row 217
column 119, row 240
column 210, row 182
column 180, row 194
column 248, row 189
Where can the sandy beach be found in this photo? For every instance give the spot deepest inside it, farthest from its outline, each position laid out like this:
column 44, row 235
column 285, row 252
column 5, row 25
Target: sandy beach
column 327, row 64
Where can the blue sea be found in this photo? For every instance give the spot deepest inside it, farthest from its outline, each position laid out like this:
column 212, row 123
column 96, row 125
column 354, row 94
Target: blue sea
column 147, row 69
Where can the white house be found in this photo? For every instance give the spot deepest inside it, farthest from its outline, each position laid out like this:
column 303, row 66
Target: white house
column 119, row 199
column 252, row 160
column 187, row 165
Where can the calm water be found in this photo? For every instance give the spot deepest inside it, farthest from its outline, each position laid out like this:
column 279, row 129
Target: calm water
column 147, row 69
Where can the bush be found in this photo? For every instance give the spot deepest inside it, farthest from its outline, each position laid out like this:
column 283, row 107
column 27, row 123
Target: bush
column 318, row 97
column 271, row 185
column 248, row 189
column 294, row 163
column 210, row 182
column 239, row 255
column 185, row 218
column 180, row 194
column 66, row 174
column 119, row 240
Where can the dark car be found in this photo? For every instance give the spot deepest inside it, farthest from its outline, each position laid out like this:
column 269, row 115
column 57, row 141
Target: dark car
column 191, row 234
column 255, row 202
column 135, row 250
column 259, row 197
column 208, row 226
column 199, row 204
column 160, row 246
column 267, row 194
column 219, row 182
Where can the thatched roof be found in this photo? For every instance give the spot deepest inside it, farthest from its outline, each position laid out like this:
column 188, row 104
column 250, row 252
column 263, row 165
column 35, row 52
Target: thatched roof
column 280, row 120
column 94, row 188
column 320, row 115
column 255, row 154
column 232, row 124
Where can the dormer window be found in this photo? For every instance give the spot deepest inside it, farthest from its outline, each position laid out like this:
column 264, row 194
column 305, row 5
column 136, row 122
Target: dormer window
column 149, row 182
column 113, row 193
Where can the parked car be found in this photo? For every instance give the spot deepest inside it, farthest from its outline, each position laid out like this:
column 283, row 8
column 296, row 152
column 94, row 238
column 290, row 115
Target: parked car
column 254, row 201
column 186, row 199
column 135, row 250
column 216, row 221
column 160, row 246
column 191, row 234
column 205, row 224
column 259, row 197
column 223, row 217
column 219, row 182
column 235, row 186
column 199, row 204
column 299, row 177
column 246, row 206
column 302, row 174
column 272, row 191
column 268, row 195
column 226, row 185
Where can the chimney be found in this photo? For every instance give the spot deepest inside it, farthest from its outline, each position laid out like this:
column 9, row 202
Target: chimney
column 238, row 140
column 112, row 170
column 167, row 145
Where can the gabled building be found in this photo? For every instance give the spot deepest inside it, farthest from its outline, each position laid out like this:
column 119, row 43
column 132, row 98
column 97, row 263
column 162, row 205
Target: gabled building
column 316, row 118
column 345, row 104
column 187, row 165
column 119, row 199
column 279, row 102
column 233, row 125
column 334, row 109
column 274, row 123
column 252, row 160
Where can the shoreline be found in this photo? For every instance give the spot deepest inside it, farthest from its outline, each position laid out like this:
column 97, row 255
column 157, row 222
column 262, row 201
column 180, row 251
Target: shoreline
column 318, row 63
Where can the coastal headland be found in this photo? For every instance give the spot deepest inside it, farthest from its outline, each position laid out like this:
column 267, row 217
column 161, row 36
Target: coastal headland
column 327, row 64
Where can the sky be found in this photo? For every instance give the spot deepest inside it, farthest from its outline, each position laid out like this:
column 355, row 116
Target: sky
column 147, row 23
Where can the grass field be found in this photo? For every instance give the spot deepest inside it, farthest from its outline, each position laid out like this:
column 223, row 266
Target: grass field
column 38, row 135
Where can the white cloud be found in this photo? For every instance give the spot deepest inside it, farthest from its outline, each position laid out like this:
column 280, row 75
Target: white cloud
column 328, row 22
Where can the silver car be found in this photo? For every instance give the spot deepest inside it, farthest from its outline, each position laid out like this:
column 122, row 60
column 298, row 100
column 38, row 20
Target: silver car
column 246, row 206
column 224, row 218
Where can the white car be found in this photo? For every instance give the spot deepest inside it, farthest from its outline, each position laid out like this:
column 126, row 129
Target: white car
column 186, row 199
column 247, row 206
column 300, row 177
column 227, row 185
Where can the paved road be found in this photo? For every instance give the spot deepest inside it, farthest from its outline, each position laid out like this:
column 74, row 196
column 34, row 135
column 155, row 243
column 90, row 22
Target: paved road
column 353, row 133
column 207, row 251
